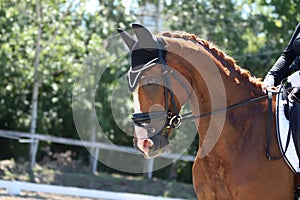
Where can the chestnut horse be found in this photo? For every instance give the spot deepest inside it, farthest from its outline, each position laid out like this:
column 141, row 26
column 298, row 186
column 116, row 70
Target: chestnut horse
column 228, row 106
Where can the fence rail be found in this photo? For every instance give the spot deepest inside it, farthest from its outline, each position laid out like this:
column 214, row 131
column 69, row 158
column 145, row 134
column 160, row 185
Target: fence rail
column 23, row 137
column 16, row 187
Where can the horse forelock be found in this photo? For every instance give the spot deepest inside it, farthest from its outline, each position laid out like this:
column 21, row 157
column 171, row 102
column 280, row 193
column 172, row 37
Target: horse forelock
column 220, row 55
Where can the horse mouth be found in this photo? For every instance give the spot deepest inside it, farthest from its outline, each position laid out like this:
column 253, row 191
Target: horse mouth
column 154, row 154
column 153, row 146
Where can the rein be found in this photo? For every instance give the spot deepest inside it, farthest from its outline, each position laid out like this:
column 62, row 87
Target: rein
column 174, row 120
column 158, row 115
column 237, row 105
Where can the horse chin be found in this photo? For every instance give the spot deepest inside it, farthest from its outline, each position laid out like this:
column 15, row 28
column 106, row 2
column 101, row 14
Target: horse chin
column 154, row 154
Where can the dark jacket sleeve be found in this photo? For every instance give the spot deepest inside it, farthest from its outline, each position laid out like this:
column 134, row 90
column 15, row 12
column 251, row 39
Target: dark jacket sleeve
column 281, row 69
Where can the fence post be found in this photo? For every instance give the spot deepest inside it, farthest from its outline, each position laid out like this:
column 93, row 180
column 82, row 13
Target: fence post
column 148, row 167
column 95, row 160
column 93, row 149
column 33, row 151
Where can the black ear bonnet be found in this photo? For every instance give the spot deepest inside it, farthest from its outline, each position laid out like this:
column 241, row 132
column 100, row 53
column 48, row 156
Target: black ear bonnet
column 146, row 52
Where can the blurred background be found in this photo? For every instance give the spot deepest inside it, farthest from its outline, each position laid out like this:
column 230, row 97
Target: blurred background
column 44, row 46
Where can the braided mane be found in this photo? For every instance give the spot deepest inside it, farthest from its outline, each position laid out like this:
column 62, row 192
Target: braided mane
column 231, row 62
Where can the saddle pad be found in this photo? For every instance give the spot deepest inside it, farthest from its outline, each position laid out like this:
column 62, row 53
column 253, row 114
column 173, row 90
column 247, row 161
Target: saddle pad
column 294, row 79
column 282, row 128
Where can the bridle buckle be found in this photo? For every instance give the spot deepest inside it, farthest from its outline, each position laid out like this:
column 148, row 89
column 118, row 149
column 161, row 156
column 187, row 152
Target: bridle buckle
column 175, row 121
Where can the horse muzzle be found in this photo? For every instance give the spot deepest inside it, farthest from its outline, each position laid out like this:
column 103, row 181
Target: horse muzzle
column 154, row 145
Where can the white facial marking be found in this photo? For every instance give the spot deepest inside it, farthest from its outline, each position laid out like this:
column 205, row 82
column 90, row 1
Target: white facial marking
column 140, row 132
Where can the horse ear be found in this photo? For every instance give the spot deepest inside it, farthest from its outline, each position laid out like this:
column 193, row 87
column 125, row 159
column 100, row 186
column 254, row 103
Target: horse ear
column 144, row 36
column 129, row 41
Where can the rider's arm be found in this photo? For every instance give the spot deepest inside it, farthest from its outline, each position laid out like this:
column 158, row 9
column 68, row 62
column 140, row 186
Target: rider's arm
column 280, row 69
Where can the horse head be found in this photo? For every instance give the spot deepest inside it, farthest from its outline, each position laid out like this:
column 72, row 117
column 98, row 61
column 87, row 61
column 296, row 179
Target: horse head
column 158, row 91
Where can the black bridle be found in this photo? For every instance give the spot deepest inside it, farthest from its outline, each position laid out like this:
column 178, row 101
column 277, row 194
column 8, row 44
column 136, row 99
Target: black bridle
column 173, row 118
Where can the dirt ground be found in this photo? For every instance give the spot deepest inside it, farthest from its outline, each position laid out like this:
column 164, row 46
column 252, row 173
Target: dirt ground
column 55, row 173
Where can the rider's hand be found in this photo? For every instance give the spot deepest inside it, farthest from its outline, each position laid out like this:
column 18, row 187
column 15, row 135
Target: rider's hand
column 294, row 94
column 268, row 84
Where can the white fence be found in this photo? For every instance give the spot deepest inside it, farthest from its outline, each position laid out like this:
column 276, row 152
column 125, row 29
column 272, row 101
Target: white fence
column 16, row 187
column 23, row 137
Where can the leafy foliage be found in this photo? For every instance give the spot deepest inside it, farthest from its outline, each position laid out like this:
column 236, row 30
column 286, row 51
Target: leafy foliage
column 254, row 32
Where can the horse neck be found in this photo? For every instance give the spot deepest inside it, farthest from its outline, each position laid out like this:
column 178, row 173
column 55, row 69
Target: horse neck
column 216, row 87
column 226, row 128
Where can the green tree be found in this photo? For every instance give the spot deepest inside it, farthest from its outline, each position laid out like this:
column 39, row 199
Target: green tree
column 47, row 43
column 254, row 32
